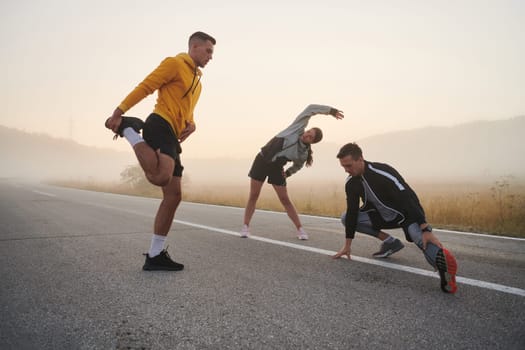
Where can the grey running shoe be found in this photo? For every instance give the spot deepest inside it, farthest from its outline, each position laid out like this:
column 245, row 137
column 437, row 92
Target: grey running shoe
column 388, row 249
column 161, row 262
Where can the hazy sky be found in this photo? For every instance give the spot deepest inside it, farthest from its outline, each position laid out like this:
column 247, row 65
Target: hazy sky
column 388, row 64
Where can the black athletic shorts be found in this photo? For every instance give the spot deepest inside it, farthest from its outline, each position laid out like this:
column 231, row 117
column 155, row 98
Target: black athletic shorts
column 159, row 134
column 274, row 171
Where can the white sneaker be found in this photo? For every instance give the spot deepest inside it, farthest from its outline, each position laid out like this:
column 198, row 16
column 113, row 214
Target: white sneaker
column 301, row 234
column 245, row 231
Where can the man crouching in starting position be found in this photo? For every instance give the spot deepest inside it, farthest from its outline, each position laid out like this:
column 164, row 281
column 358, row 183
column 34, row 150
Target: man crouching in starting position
column 388, row 202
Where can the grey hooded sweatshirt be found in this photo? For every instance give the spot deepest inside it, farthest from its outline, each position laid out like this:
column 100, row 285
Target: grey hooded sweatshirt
column 288, row 145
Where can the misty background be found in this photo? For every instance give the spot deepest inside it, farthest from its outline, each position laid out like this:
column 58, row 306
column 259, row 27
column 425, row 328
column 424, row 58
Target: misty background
column 481, row 151
column 389, row 65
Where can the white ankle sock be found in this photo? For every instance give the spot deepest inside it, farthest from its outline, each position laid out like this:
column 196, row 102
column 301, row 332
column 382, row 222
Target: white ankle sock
column 390, row 239
column 157, row 245
column 132, row 136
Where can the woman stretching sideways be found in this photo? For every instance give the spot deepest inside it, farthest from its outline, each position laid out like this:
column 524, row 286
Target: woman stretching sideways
column 293, row 144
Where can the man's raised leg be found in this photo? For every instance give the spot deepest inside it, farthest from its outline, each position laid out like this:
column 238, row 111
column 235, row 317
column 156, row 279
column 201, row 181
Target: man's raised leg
column 158, row 167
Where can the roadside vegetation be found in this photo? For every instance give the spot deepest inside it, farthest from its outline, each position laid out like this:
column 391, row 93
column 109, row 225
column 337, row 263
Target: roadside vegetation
column 496, row 208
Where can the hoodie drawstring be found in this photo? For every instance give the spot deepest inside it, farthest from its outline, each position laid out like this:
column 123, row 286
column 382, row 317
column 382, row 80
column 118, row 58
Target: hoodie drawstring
column 191, row 86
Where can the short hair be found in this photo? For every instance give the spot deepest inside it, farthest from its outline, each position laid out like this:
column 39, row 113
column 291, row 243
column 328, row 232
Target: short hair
column 350, row 149
column 201, row 36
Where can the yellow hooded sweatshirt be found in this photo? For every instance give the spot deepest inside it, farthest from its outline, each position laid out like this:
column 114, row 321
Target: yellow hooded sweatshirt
column 178, row 81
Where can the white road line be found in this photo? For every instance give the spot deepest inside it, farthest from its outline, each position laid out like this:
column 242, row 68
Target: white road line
column 45, row 193
column 414, row 270
column 482, row 235
column 468, row 281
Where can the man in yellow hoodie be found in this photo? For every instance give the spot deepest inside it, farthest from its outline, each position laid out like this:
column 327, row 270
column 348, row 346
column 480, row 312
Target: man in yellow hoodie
column 177, row 80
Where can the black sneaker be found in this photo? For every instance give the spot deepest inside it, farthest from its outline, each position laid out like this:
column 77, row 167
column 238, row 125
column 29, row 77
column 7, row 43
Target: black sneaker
column 128, row 122
column 447, row 267
column 388, row 249
column 161, row 262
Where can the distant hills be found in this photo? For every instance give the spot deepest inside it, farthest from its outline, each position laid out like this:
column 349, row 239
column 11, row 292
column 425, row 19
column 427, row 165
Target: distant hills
column 483, row 149
column 472, row 151
column 39, row 156
column 477, row 151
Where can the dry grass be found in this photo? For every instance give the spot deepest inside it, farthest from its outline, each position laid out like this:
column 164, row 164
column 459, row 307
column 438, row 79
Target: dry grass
column 497, row 208
column 493, row 208
column 307, row 199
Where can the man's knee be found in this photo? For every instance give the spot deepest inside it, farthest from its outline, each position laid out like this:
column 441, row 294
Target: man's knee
column 368, row 230
column 364, row 225
column 159, row 179
column 173, row 198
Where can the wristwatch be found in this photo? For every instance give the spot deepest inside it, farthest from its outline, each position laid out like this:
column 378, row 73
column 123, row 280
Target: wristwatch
column 428, row 228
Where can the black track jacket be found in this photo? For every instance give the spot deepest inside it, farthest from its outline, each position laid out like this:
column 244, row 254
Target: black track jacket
column 390, row 189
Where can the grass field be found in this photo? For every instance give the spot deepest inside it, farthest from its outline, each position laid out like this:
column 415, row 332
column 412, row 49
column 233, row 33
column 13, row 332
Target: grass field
column 496, row 208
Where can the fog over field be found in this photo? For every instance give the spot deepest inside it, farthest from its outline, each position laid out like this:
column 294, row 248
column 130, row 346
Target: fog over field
column 479, row 151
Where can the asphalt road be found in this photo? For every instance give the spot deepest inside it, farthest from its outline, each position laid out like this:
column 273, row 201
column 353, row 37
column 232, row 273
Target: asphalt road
column 71, row 278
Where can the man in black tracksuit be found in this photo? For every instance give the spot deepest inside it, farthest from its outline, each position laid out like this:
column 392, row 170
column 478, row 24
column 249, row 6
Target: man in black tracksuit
column 389, row 202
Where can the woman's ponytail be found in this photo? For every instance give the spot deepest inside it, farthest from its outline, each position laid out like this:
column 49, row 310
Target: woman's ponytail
column 309, row 159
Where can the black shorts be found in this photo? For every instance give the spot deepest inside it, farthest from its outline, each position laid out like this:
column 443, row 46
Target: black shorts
column 159, row 134
column 274, row 171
